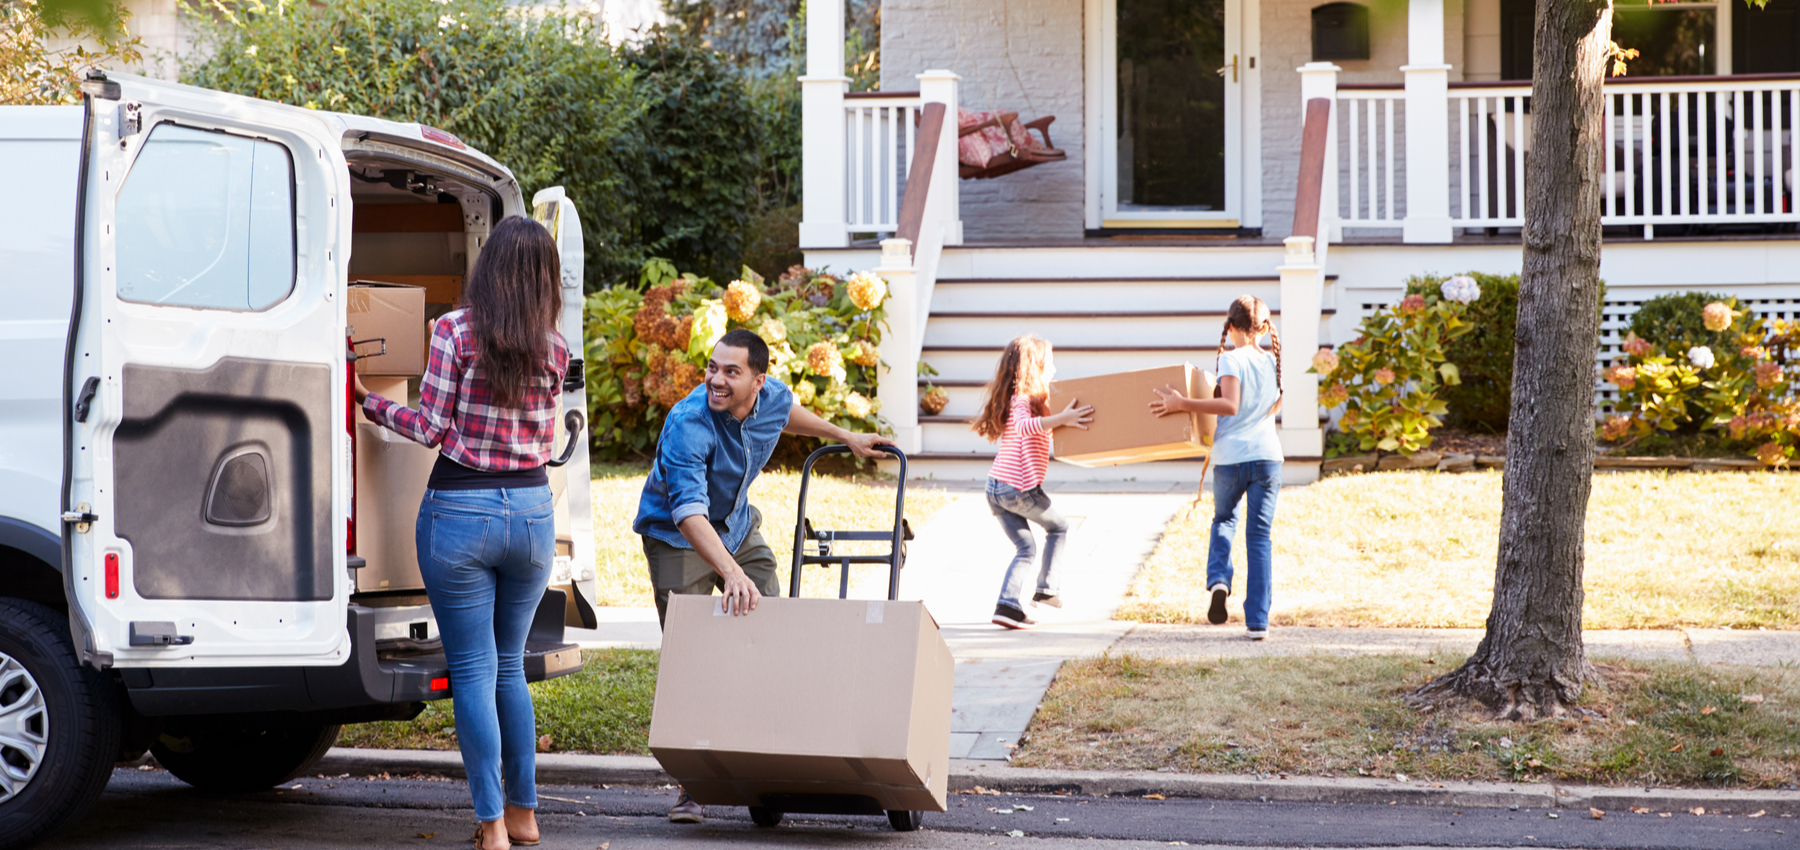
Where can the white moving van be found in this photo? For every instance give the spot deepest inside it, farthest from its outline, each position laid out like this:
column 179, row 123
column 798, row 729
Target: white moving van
column 179, row 568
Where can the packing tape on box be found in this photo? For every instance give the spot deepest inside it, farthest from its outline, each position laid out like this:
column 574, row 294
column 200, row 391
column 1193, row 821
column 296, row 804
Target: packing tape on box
column 876, row 609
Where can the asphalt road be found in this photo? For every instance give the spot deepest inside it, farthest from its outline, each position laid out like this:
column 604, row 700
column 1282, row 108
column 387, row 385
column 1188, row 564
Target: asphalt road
column 151, row 809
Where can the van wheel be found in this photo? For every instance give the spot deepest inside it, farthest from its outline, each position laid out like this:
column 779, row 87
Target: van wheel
column 59, row 725
column 765, row 817
column 228, row 756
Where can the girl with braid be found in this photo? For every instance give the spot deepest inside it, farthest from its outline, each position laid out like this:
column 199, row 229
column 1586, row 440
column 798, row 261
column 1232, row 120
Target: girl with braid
column 1246, row 456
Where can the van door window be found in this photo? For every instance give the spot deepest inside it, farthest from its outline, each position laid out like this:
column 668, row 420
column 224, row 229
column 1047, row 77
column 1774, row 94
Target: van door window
column 207, row 220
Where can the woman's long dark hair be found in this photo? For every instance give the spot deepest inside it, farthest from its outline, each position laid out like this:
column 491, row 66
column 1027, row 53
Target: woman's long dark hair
column 514, row 295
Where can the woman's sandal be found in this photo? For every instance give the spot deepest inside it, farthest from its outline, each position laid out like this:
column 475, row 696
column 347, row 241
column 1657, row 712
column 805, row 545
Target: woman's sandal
column 476, row 838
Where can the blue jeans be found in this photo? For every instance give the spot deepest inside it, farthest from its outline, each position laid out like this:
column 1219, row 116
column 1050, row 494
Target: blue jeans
column 1016, row 510
column 1260, row 482
column 485, row 556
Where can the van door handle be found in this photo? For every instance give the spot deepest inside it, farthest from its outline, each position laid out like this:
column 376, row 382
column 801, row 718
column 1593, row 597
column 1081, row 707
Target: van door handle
column 574, row 422
column 85, row 401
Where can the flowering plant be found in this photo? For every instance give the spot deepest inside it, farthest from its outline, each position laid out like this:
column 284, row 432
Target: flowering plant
column 647, row 348
column 1387, row 380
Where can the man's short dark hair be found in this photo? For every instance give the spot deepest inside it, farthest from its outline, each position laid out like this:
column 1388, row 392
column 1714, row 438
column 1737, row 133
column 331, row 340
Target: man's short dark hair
column 759, row 350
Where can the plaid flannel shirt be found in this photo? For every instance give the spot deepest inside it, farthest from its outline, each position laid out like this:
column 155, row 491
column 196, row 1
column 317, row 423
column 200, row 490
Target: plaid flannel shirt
column 456, row 408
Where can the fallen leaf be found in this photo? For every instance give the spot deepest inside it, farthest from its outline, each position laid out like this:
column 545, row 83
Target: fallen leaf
column 1505, row 743
column 545, row 742
column 1017, row 833
column 1023, row 808
column 1062, row 820
column 1534, row 763
column 1399, row 777
column 1596, row 814
column 1664, row 814
column 1639, row 810
column 1154, row 797
column 1676, row 748
column 1751, row 698
column 1001, row 811
column 1716, row 752
column 1697, row 810
column 427, row 835
column 1708, row 710
column 1757, row 814
column 605, row 845
column 1552, row 815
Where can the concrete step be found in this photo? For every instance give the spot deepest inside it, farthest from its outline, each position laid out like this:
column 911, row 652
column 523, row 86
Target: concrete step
column 1099, row 258
column 1100, row 293
column 1064, row 328
column 976, row 362
column 972, row 466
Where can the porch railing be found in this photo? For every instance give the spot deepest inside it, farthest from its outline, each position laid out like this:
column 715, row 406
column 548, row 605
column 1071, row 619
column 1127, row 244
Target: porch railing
column 880, row 136
column 1678, row 151
column 858, row 156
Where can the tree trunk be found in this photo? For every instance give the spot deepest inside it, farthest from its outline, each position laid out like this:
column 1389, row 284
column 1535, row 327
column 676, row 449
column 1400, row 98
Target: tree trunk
column 1531, row 663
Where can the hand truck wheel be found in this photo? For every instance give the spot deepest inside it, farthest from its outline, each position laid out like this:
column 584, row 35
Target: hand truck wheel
column 766, row 817
column 905, row 821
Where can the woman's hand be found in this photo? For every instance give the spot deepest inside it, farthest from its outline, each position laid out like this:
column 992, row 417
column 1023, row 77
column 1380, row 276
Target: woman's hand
column 1072, row 416
column 1168, row 400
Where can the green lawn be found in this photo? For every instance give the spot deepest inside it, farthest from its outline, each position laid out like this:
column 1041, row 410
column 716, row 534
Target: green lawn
column 605, row 708
column 833, row 502
column 1665, row 549
column 1653, row 724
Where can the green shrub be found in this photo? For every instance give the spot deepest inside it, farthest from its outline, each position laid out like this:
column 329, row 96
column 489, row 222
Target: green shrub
column 646, row 350
column 1484, row 355
column 1674, row 322
column 1388, row 378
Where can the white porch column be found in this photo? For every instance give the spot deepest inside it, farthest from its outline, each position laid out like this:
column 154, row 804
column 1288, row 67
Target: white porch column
column 1319, row 79
column 898, row 387
column 1302, row 282
column 824, row 221
column 939, row 86
column 1427, row 125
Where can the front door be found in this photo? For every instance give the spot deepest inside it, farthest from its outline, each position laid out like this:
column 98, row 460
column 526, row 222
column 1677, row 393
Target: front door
column 1173, row 75
column 209, row 373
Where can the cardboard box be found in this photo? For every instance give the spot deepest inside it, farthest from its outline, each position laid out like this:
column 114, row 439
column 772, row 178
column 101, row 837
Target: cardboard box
column 441, row 289
column 804, row 697
column 392, row 312
column 1124, row 430
column 391, row 472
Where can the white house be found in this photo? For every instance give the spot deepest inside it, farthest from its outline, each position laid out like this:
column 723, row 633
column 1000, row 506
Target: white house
column 1182, row 120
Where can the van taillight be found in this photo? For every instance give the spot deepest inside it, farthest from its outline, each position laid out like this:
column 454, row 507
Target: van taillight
column 350, row 440
column 112, row 575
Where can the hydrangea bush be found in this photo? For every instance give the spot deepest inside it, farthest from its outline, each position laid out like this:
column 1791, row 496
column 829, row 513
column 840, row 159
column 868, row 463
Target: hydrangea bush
column 1744, row 387
column 1387, row 381
column 647, row 347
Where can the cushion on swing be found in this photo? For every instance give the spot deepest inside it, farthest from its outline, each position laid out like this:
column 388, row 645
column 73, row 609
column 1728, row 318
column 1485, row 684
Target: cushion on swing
column 978, row 149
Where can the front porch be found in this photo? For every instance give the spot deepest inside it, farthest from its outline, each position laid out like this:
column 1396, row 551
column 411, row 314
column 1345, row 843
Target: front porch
column 1420, row 168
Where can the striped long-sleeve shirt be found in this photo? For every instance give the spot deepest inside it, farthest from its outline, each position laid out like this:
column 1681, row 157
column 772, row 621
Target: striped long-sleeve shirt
column 1024, row 447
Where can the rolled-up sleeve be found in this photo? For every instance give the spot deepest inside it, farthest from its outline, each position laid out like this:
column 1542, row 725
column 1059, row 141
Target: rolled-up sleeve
column 683, row 460
column 438, row 391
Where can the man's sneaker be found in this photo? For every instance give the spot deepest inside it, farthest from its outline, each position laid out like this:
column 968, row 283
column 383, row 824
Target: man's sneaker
column 1012, row 618
column 686, row 810
column 1216, row 614
column 1048, row 600
column 1258, row 634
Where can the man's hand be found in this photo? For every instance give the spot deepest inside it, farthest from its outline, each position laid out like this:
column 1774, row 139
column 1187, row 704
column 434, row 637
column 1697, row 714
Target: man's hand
column 741, row 595
column 863, row 445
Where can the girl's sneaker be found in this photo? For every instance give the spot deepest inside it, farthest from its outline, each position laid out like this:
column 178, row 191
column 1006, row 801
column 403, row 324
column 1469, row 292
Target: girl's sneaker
column 1012, row 618
column 1216, row 614
column 1048, row 600
column 1258, row 634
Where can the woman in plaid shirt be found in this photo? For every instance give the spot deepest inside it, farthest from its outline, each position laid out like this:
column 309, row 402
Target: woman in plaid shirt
column 486, row 530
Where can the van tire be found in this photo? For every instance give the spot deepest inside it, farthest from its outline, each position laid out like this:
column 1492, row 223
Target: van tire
column 218, row 754
column 81, row 707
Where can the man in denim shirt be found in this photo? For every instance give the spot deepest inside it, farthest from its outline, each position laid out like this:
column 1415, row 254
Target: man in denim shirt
column 700, row 531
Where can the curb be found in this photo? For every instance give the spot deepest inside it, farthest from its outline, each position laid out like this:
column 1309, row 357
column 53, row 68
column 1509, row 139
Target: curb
column 966, row 775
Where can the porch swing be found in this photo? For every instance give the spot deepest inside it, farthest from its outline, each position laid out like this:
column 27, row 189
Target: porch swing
column 992, row 143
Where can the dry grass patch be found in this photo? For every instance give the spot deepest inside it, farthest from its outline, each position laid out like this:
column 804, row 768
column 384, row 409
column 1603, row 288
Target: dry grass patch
column 1654, row 724
column 1418, row 549
column 833, row 502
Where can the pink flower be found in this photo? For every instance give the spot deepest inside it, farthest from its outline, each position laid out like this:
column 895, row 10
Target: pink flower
column 1623, row 377
column 1772, row 454
column 1751, row 352
column 1411, row 304
column 1615, row 429
column 1636, row 346
column 1325, row 362
column 1384, row 376
column 1768, row 374
column 1334, row 395
column 1717, row 316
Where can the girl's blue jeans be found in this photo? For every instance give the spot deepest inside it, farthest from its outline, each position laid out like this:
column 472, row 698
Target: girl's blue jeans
column 485, row 556
column 1257, row 482
column 1016, row 510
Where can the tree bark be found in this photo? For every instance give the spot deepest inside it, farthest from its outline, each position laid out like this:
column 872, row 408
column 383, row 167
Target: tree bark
column 1532, row 663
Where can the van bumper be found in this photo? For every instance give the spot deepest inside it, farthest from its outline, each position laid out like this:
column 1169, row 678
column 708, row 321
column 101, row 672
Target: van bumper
column 369, row 679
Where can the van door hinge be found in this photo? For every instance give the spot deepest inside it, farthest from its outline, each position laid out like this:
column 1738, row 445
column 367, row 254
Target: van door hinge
column 130, row 118
column 83, row 517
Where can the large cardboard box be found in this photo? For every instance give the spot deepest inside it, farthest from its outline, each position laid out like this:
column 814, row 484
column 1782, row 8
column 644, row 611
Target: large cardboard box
column 391, row 472
column 1124, row 430
column 392, row 312
column 804, row 697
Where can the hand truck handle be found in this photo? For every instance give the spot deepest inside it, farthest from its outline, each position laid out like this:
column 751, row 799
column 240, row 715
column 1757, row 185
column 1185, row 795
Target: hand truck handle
column 800, row 518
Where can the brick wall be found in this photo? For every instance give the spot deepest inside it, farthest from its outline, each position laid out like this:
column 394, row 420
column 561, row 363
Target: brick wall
column 1043, row 39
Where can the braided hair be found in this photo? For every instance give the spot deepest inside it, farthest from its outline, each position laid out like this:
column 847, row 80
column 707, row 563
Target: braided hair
column 1251, row 317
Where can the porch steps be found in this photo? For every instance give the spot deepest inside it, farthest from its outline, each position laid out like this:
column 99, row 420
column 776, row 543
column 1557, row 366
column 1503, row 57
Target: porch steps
column 1100, row 321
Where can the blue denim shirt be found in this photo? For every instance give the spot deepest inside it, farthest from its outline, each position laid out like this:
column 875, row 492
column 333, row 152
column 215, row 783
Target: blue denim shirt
column 705, row 461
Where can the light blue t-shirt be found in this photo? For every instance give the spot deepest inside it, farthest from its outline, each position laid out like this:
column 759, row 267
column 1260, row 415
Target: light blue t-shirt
column 1250, row 435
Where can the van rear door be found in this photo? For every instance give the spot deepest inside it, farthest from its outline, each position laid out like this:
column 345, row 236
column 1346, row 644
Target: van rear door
column 208, row 373
column 574, row 570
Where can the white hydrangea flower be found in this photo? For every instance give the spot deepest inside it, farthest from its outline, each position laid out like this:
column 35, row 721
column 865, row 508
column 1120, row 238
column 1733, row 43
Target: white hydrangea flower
column 1701, row 357
column 1462, row 289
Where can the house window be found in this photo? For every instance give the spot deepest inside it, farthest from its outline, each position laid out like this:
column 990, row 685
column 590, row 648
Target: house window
column 207, row 220
column 1763, row 41
column 1340, row 31
column 1672, row 39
